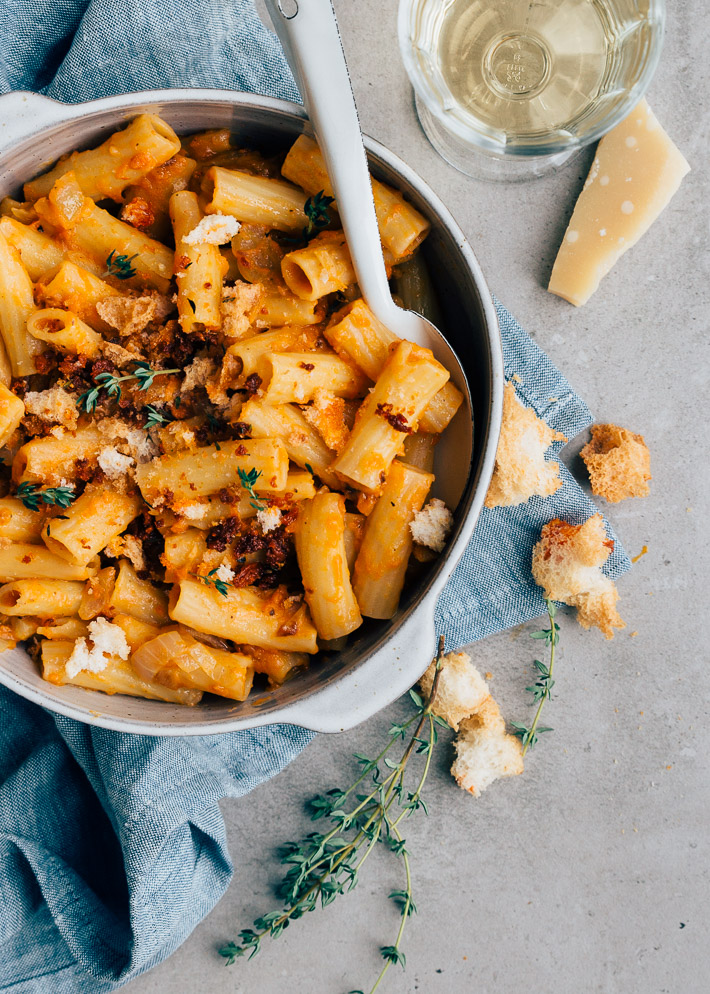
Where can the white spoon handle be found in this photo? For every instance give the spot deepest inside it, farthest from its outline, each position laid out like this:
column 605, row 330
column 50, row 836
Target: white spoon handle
column 311, row 41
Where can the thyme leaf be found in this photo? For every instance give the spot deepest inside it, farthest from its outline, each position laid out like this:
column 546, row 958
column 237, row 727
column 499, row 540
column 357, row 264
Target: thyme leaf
column 31, row 495
column 143, row 373
column 542, row 688
column 316, row 210
column 120, row 265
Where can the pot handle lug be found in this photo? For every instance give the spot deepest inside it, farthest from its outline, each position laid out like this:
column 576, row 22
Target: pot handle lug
column 22, row 113
column 383, row 678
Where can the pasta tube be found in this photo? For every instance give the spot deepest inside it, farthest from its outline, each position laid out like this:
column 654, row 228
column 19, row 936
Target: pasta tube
column 402, row 228
column 199, row 268
column 51, row 459
column 322, row 267
column 149, row 198
column 118, row 677
column 296, row 377
column 16, row 305
column 44, row 598
column 245, row 615
column 381, row 563
column 17, row 522
column 302, row 442
column 138, row 598
column 89, row 525
column 12, row 410
column 65, row 331
column 124, row 158
column 80, row 291
column 356, row 333
column 255, row 199
column 38, row 252
column 20, row 561
column 278, row 307
column 410, row 378
column 250, row 351
column 184, row 476
column 322, row 560
column 102, row 237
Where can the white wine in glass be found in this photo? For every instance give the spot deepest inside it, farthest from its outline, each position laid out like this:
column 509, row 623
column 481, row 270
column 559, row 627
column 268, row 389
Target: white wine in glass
column 510, row 88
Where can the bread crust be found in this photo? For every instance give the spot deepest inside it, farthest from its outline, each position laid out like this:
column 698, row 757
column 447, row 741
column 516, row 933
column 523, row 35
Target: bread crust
column 521, row 471
column 567, row 564
column 618, row 462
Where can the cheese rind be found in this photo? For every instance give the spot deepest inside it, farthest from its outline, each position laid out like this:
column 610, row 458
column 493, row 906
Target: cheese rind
column 635, row 172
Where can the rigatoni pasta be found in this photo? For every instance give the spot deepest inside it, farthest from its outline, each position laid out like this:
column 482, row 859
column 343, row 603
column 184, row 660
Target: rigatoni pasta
column 213, row 451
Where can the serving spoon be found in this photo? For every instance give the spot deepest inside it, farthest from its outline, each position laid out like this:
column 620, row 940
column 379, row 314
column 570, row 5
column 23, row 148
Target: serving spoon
column 309, row 34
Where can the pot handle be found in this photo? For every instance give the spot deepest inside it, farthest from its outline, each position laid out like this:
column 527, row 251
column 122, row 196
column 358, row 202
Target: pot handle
column 23, row 113
column 375, row 683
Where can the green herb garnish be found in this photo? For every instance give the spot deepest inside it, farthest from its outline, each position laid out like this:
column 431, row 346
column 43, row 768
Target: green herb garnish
column 210, row 580
column 143, row 372
column 323, row 866
column 542, row 688
column 31, row 495
column 154, row 417
column 247, row 480
column 120, row 265
column 316, row 210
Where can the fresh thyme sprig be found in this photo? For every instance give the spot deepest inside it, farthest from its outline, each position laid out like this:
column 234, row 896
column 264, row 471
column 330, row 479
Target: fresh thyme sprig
column 248, row 481
column 316, row 210
column 210, row 580
column 143, row 373
column 120, row 265
column 31, row 495
column 154, row 417
column 542, row 688
column 323, row 866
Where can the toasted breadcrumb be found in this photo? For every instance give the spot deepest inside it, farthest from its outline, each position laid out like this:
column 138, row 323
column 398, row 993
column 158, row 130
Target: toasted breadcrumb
column 225, row 573
column 461, row 691
column 239, row 303
column 114, row 463
column 130, row 315
column 269, row 518
column 134, row 442
column 197, row 373
column 327, row 415
column 107, row 640
column 485, row 751
column 567, row 564
column 116, row 354
column 618, row 462
column 520, row 469
column 214, row 229
column 54, row 404
column 431, row 525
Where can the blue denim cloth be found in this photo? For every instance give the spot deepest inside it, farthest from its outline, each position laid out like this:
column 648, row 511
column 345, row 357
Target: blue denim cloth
column 112, row 847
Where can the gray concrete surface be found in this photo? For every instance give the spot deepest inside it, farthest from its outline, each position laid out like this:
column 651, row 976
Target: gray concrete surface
column 590, row 872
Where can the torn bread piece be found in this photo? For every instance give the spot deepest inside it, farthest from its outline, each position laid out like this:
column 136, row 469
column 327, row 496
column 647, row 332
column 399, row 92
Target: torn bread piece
column 520, row 469
column 618, row 462
column 461, row 690
column 130, row 315
column 430, row 527
column 567, row 564
column 240, row 304
column 485, row 751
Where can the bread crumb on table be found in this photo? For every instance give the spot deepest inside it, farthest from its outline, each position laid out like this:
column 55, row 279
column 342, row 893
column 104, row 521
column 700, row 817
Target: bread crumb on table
column 521, row 471
column 618, row 462
column 567, row 564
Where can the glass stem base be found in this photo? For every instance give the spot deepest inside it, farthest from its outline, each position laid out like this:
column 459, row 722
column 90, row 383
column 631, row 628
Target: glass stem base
column 474, row 161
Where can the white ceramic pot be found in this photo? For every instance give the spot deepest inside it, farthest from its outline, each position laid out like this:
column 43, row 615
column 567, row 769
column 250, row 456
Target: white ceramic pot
column 383, row 659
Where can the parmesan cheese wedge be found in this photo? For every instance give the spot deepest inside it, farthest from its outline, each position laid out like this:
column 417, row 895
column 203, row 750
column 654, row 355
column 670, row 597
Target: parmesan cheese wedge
column 635, row 172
